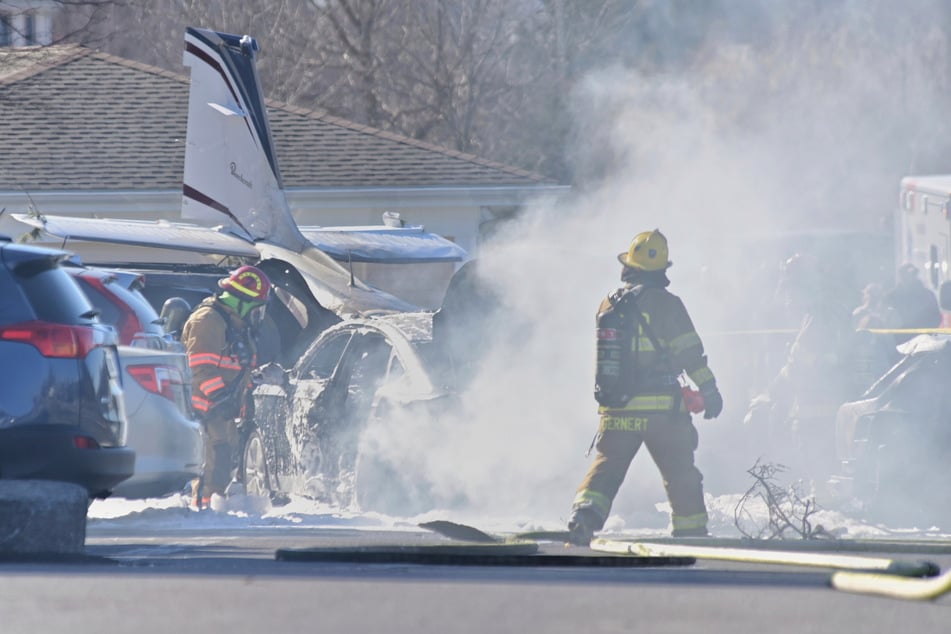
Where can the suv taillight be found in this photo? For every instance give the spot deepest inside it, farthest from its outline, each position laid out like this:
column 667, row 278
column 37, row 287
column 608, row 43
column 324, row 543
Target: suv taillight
column 85, row 442
column 53, row 340
column 158, row 379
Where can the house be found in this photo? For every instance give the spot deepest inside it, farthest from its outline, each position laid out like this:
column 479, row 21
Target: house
column 93, row 135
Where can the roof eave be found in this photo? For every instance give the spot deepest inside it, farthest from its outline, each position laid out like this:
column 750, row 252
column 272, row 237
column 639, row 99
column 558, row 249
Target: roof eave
column 119, row 203
column 420, row 197
column 131, row 203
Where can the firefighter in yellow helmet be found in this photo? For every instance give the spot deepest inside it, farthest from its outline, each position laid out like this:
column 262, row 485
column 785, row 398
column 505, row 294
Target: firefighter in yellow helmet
column 219, row 338
column 645, row 340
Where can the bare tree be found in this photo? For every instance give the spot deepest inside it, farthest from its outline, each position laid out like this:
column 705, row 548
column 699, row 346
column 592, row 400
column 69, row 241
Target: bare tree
column 455, row 73
column 73, row 20
column 359, row 37
column 453, row 58
column 497, row 77
column 152, row 32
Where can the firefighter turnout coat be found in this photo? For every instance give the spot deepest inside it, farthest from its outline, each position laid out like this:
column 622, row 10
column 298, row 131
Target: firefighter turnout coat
column 639, row 362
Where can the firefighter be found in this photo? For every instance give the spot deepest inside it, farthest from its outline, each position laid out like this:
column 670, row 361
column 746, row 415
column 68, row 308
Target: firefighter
column 645, row 340
column 220, row 341
column 874, row 353
column 823, row 369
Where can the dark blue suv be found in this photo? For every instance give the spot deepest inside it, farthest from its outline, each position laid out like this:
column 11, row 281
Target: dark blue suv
column 61, row 410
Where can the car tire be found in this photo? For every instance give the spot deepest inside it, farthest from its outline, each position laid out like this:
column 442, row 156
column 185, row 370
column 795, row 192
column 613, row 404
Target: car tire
column 254, row 467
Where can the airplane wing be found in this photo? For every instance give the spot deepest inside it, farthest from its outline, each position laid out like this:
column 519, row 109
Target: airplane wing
column 389, row 245
column 329, row 280
column 145, row 233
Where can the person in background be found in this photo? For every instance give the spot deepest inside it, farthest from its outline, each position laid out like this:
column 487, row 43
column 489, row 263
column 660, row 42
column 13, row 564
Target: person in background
column 875, row 352
column 916, row 305
column 175, row 312
column 220, row 340
column 798, row 409
column 645, row 340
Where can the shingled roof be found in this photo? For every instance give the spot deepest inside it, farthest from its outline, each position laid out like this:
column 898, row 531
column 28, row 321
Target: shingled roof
column 76, row 119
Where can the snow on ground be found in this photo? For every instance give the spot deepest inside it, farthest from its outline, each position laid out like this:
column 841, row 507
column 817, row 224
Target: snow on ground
column 241, row 513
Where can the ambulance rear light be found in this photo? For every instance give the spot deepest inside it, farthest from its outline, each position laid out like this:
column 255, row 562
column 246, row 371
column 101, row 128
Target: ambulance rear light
column 907, row 200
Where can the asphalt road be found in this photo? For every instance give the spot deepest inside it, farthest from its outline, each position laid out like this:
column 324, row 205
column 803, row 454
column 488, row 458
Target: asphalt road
column 231, row 581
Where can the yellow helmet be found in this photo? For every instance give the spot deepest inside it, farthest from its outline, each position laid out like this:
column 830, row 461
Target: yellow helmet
column 648, row 252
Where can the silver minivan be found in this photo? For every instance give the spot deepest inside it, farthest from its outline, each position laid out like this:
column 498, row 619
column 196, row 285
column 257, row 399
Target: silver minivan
column 156, row 379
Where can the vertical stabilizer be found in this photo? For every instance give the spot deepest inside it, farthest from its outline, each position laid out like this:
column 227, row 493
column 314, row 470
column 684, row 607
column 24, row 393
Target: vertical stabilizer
column 231, row 172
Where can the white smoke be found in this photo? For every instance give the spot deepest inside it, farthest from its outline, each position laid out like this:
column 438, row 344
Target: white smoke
column 741, row 158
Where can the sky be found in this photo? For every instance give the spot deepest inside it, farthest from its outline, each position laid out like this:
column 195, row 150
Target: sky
column 758, row 150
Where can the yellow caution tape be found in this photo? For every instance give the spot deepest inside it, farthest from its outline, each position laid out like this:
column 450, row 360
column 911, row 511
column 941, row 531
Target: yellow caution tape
column 793, row 331
column 907, row 331
column 773, row 331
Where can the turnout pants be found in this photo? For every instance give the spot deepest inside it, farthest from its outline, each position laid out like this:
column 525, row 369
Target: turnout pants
column 671, row 439
column 221, row 441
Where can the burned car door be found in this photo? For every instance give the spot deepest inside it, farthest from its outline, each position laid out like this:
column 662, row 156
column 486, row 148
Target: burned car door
column 311, row 399
column 349, row 402
column 295, row 317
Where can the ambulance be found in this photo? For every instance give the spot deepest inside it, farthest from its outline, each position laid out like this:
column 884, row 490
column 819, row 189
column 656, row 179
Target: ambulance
column 923, row 233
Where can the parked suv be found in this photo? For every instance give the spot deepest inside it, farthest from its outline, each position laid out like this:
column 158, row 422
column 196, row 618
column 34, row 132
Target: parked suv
column 163, row 430
column 62, row 414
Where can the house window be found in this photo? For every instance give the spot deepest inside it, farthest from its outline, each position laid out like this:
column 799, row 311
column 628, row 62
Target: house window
column 6, row 31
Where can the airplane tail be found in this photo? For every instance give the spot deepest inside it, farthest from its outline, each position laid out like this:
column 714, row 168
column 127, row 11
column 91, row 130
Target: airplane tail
column 231, row 171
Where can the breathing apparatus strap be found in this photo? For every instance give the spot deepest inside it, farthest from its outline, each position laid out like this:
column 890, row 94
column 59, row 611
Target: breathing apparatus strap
column 661, row 349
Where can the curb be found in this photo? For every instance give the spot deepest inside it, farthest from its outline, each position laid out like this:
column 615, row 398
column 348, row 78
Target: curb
column 42, row 518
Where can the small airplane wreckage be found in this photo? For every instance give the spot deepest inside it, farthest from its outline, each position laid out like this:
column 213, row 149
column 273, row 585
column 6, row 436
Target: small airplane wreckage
column 233, row 191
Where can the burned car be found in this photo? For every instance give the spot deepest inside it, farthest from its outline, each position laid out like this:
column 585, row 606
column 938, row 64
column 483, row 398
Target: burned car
column 312, row 422
column 893, row 443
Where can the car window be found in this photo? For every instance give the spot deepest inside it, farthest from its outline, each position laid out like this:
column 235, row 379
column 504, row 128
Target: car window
column 370, row 364
column 56, row 297
column 108, row 311
column 322, row 361
column 144, row 311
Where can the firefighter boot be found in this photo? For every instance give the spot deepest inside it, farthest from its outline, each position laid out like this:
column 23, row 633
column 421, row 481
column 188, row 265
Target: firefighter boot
column 581, row 526
column 198, row 501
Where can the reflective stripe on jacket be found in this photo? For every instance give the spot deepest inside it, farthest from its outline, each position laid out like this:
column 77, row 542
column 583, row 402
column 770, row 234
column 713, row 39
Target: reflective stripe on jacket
column 211, row 356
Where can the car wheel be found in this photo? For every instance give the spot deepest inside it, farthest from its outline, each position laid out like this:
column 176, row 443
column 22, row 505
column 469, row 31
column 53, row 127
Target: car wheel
column 256, row 481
